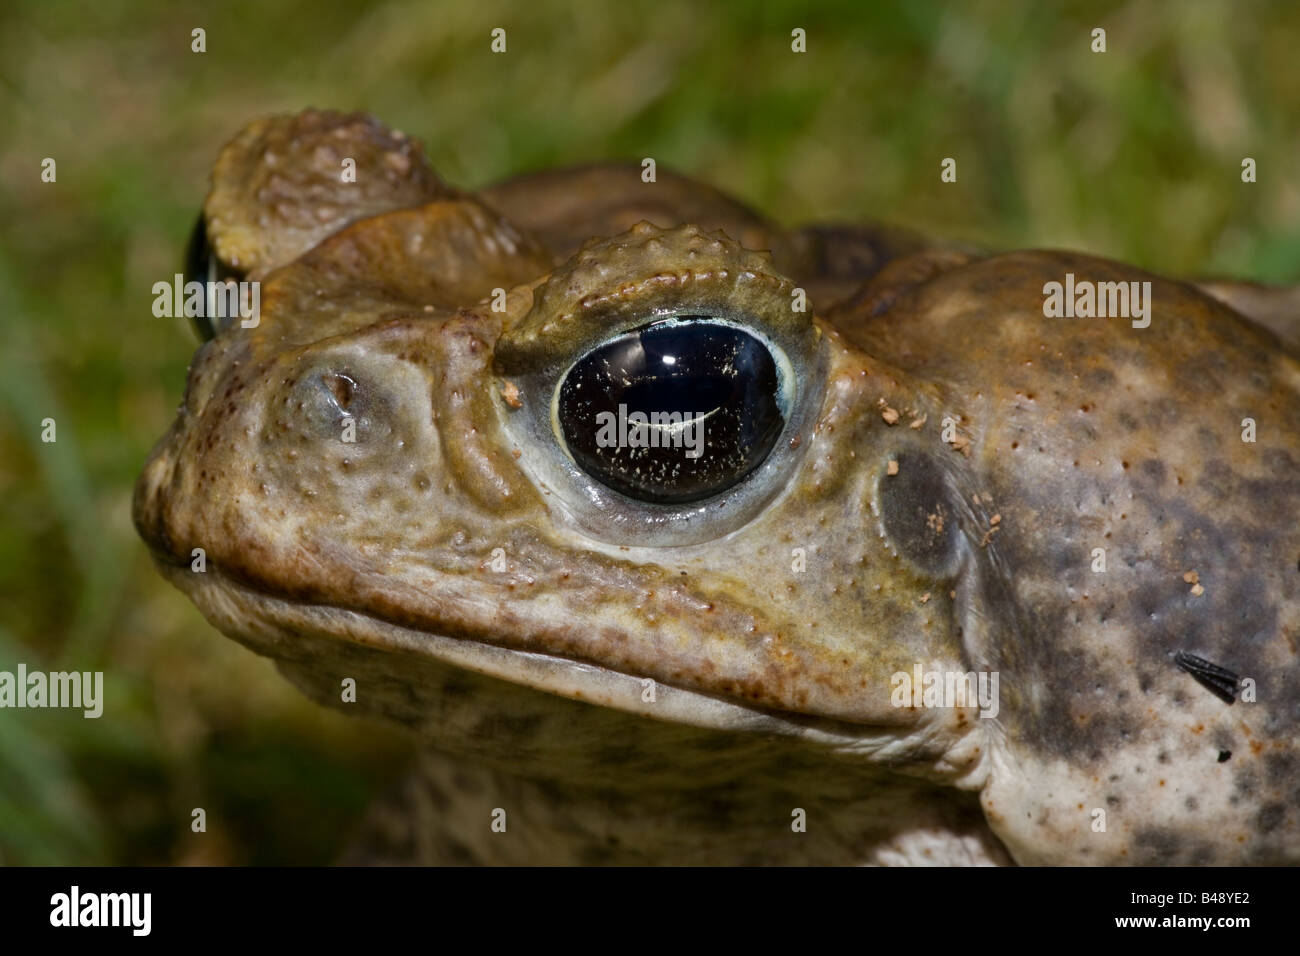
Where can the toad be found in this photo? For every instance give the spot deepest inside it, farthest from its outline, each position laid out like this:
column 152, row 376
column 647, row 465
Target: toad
column 686, row 538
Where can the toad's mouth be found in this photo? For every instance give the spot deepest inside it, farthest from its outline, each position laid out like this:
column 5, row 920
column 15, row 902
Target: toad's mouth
column 274, row 625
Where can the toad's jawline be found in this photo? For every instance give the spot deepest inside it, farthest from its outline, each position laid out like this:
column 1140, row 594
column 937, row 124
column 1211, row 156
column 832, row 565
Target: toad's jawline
column 563, row 676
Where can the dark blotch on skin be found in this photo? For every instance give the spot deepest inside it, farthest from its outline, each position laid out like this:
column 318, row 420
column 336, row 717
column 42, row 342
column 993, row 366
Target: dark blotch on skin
column 1099, row 378
column 1270, row 817
column 1280, row 463
column 1163, row 843
column 1167, row 847
column 1153, row 469
column 1245, row 783
column 1054, row 725
column 1279, row 768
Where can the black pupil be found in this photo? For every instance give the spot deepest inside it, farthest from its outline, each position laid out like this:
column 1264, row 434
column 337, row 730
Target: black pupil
column 198, row 260
column 202, row 266
column 674, row 411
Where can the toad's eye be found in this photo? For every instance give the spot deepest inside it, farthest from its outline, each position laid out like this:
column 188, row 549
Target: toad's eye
column 202, row 265
column 674, row 411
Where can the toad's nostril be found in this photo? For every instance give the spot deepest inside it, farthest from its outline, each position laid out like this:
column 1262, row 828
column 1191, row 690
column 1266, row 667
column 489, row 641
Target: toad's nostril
column 320, row 404
column 342, row 387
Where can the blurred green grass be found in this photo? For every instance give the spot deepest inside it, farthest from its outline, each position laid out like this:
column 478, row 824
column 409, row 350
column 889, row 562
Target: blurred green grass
column 1134, row 154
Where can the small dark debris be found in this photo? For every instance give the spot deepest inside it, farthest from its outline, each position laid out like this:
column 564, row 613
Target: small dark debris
column 1219, row 681
column 1224, row 755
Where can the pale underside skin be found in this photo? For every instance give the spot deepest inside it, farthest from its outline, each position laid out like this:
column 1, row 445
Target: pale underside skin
column 653, row 684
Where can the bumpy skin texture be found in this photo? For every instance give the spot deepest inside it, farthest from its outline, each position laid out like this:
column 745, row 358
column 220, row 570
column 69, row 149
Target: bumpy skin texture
column 648, row 684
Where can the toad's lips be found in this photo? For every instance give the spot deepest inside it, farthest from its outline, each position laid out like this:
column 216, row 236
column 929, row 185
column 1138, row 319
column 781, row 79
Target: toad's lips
column 269, row 623
column 727, row 663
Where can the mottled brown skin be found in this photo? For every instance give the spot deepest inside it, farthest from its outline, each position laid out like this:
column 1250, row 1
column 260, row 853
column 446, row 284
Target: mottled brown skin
column 375, row 560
